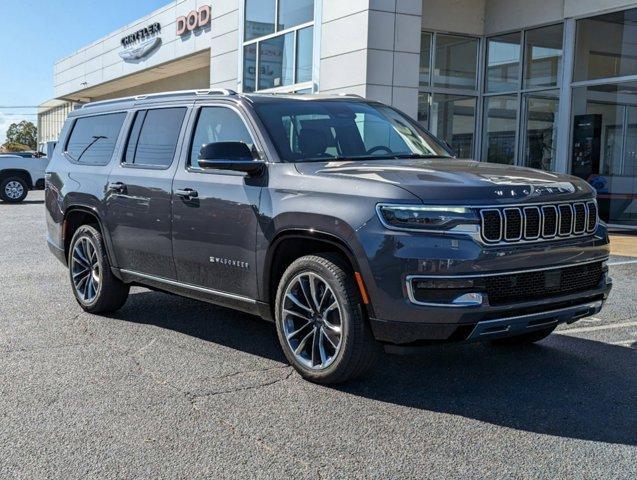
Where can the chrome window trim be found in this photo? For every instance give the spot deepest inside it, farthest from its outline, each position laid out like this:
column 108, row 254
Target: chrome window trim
column 521, row 233
column 540, row 223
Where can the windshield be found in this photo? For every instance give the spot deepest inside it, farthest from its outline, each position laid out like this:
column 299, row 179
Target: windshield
column 324, row 130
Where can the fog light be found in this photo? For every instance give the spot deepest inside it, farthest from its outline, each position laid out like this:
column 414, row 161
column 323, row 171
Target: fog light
column 468, row 299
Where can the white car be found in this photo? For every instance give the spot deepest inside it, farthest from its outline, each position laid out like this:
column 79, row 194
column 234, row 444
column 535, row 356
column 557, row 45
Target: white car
column 19, row 173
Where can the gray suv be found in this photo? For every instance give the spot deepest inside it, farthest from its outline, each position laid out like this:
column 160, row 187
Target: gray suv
column 339, row 219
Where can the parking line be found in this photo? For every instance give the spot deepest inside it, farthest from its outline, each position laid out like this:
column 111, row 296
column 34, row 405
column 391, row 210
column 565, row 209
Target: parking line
column 600, row 327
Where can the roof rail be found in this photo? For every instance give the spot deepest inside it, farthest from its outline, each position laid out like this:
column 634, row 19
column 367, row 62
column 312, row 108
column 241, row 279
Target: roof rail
column 178, row 93
column 349, row 95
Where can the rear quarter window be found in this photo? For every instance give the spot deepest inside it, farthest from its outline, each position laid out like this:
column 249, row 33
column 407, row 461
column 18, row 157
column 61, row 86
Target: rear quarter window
column 92, row 140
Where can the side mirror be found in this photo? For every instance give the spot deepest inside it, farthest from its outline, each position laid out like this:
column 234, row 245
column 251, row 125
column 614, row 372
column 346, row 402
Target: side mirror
column 235, row 156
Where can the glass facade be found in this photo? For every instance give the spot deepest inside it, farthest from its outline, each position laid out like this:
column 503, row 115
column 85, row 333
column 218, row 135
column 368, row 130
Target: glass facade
column 503, row 62
column 510, row 110
column 278, row 45
column 480, row 114
column 604, row 112
column 448, row 85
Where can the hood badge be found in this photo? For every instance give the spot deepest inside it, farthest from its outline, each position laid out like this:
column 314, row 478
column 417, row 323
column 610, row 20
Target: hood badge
column 510, row 187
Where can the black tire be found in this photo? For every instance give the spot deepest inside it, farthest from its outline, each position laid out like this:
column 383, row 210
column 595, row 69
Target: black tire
column 110, row 293
column 524, row 339
column 13, row 189
column 357, row 350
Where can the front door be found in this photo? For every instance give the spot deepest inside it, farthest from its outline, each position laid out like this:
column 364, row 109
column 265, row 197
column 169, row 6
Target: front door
column 215, row 212
column 140, row 193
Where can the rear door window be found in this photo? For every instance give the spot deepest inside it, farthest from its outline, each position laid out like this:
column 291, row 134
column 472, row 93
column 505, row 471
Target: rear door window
column 153, row 138
column 93, row 139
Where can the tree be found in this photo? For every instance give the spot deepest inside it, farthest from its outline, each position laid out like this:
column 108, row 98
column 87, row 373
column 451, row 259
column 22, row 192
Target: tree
column 24, row 132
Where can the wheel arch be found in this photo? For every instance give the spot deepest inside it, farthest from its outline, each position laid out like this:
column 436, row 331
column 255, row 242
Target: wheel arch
column 74, row 217
column 291, row 244
column 8, row 172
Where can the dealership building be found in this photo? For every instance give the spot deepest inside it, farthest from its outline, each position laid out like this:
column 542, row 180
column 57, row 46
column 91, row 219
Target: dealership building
column 548, row 84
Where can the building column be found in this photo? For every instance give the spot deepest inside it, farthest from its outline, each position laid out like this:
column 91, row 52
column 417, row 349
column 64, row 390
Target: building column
column 372, row 48
column 225, row 42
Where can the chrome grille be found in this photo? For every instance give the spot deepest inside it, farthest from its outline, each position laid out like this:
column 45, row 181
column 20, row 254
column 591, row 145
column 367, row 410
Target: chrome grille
column 537, row 222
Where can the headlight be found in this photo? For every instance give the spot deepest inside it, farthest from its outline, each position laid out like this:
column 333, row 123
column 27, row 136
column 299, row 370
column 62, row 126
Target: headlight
column 423, row 217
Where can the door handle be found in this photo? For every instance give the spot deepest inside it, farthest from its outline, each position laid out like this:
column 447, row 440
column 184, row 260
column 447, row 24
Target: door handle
column 187, row 193
column 118, row 187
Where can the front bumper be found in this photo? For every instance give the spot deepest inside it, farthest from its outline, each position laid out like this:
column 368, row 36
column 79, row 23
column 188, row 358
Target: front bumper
column 486, row 323
column 393, row 257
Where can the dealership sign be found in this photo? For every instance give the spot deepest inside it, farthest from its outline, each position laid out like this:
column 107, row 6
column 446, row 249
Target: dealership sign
column 194, row 20
column 140, row 43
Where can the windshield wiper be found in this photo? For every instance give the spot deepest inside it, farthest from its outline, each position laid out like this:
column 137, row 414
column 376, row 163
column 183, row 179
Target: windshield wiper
column 420, row 155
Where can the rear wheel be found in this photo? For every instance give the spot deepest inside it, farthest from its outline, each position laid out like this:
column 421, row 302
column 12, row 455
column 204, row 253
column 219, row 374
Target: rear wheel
column 524, row 339
column 320, row 321
column 13, row 189
column 95, row 287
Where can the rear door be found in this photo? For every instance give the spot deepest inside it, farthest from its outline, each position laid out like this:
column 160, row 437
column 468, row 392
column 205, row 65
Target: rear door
column 214, row 232
column 139, row 194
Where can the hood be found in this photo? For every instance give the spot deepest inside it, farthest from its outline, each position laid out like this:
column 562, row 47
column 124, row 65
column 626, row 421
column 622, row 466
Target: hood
column 458, row 181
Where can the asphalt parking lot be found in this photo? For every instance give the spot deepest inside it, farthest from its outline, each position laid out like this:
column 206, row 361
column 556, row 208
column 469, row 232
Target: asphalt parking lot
column 174, row 388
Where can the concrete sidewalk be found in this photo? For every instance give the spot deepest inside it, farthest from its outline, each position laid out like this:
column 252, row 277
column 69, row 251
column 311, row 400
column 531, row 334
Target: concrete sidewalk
column 623, row 245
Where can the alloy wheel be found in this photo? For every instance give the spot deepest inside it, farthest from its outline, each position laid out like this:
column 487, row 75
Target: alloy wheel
column 85, row 270
column 13, row 190
column 312, row 321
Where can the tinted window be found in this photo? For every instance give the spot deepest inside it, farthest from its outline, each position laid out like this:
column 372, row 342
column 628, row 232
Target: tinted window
column 295, row 12
column 503, row 62
column 605, row 46
column 218, row 124
column 93, row 139
column 153, row 138
column 276, row 59
column 324, row 130
column 259, row 18
column 304, row 55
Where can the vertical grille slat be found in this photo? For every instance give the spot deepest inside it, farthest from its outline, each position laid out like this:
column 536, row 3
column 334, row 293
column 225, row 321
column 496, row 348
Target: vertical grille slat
column 532, row 223
column 549, row 229
column 591, row 221
column 537, row 222
column 512, row 224
column 566, row 220
column 579, row 221
column 491, row 225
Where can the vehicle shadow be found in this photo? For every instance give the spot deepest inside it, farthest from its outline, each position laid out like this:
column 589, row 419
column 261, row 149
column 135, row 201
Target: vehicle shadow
column 564, row 386
column 23, row 202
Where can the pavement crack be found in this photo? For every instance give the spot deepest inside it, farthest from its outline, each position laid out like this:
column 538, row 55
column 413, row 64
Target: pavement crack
column 195, row 397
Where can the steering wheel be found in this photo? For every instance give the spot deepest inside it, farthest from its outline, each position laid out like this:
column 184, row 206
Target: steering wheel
column 378, row 148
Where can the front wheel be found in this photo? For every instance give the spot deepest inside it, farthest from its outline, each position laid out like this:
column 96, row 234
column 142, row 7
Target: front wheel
column 95, row 287
column 320, row 321
column 13, row 189
column 524, row 339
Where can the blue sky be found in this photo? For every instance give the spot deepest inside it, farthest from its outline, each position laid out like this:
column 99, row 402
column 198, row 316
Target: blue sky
column 35, row 33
